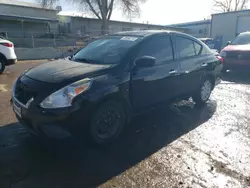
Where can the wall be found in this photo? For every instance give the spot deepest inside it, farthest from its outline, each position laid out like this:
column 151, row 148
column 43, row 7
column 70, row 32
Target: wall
column 199, row 31
column 79, row 25
column 15, row 28
column 21, row 21
column 27, row 11
column 225, row 25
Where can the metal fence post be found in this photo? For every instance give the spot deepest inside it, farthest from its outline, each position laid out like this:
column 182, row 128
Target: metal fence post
column 54, row 39
column 33, row 42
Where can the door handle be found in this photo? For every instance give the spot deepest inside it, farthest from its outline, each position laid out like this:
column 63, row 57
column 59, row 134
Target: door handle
column 204, row 65
column 172, row 72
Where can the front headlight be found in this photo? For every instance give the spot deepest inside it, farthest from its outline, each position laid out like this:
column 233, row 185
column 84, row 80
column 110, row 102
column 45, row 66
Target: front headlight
column 63, row 97
column 223, row 54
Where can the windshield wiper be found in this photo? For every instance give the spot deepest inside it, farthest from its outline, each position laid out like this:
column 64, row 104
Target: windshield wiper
column 83, row 60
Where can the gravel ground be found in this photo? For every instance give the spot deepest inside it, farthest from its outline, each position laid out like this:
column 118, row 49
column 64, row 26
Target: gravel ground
column 178, row 145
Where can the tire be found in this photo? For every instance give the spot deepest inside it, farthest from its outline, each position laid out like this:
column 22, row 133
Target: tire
column 224, row 69
column 2, row 66
column 107, row 123
column 202, row 95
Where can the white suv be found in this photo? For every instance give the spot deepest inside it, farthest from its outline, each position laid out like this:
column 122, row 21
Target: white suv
column 7, row 54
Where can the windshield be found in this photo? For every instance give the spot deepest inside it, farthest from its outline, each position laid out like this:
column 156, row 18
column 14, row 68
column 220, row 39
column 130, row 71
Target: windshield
column 207, row 41
column 242, row 39
column 108, row 50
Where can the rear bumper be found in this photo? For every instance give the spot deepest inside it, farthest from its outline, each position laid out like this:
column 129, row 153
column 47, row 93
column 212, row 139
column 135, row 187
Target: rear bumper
column 10, row 62
column 236, row 64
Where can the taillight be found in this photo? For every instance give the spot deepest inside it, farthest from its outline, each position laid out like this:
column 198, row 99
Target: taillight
column 221, row 59
column 7, row 44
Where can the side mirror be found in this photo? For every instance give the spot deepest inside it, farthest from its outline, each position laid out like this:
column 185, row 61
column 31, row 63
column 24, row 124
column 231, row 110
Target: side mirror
column 69, row 57
column 229, row 42
column 145, row 61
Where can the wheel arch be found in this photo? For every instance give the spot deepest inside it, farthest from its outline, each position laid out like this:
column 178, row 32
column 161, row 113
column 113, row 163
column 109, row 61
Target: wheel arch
column 2, row 56
column 211, row 77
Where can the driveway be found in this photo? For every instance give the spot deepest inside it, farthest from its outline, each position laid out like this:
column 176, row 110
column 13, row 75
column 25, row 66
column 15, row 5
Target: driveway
column 178, row 145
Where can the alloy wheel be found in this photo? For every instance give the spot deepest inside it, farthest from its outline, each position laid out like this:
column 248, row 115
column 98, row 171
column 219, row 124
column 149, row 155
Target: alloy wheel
column 206, row 90
column 108, row 124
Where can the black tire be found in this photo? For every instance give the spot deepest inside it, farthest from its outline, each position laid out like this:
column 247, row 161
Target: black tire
column 107, row 123
column 203, row 93
column 2, row 66
column 224, row 69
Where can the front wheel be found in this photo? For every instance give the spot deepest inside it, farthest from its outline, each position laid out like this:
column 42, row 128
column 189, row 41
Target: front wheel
column 2, row 66
column 107, row 122
column 202, row 95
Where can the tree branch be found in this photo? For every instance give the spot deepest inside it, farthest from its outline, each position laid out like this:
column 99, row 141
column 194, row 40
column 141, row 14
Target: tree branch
column 92, row 9
column 110, row 9
column 243, row 4
column 100, row 5
column 237, row 2
column 230, row 5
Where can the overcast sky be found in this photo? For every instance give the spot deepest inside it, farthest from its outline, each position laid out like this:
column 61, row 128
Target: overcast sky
column 173, row 11
column 164, row 11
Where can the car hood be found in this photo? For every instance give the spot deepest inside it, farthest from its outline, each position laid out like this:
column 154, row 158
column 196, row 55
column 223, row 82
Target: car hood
column 237, row 48
column 63, row 71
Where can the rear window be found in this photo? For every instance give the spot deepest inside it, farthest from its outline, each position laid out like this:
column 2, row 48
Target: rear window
column 242, row 39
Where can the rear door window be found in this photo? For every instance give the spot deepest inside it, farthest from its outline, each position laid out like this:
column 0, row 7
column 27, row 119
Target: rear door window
column 186, row 48
column 197, row 48
column 159, row 47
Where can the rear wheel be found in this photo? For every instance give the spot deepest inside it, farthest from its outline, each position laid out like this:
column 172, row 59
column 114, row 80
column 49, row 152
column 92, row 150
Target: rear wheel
column 107, row 123
column 202, row 95
column 2, row 66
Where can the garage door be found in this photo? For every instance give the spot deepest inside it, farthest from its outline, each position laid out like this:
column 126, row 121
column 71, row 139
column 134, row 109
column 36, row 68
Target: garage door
column 243, row 24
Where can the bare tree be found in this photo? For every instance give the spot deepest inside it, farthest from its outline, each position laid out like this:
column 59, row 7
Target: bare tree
column 47, row 3
column 230, row 5
column 103, row 9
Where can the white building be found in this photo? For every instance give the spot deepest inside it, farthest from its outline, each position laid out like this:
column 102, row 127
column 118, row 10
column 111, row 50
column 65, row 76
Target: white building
column 225, row 26
column 199, row 29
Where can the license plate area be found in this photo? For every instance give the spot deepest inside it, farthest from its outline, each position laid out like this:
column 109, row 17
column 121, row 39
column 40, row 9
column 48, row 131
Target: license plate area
column 17, row 109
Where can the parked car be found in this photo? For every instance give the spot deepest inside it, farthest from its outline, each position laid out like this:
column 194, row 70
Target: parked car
column 95, row 93
column 7, row 54
column 209, row 42
column 237, row 53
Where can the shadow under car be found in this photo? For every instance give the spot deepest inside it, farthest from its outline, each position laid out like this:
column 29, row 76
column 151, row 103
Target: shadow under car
column 68, row 163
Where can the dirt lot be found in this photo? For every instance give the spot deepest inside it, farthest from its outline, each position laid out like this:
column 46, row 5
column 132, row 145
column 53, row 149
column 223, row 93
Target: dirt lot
column 178, row 145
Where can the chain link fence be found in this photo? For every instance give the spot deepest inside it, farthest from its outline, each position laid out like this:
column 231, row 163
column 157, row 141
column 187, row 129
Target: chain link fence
column 34, row 39
column 40, row 39
column 31, row 39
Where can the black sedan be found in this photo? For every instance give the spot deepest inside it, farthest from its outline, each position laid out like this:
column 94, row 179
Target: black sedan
column 94, row 94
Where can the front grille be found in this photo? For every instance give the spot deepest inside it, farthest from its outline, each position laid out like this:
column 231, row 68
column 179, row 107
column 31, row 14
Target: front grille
column 23, row 93
column 238, row 55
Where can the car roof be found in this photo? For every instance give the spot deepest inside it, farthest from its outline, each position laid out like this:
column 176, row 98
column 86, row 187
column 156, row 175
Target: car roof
column 4, row 40
column 144, row 33
column 246, row 32
column 147, row 33
column 205, row 38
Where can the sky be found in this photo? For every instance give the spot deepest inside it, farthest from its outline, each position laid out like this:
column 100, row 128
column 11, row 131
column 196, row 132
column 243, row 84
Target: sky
column 163, row 12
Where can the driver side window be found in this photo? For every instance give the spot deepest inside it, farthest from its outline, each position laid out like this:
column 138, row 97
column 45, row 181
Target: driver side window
column 159, row 47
